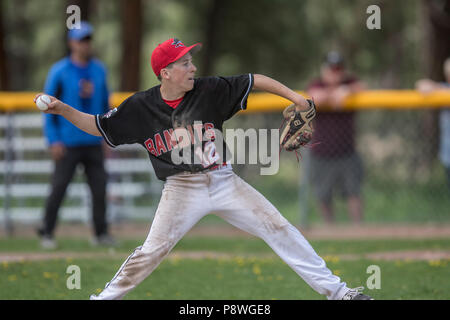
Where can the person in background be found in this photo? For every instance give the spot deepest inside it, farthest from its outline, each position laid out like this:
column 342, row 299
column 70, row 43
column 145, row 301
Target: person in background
column 335, row 164
column 427, row 86
column 79, row 80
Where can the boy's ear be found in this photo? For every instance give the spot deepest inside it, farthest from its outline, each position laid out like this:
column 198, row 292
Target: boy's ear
column 164, row 74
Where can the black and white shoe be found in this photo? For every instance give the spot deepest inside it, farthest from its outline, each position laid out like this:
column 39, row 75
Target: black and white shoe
column 355, row 294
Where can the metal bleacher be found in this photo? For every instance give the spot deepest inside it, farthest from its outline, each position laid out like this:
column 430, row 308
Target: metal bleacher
column 26, row 170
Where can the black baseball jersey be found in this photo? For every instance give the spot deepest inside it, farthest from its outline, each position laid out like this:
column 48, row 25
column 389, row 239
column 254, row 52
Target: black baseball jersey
column 146, row 119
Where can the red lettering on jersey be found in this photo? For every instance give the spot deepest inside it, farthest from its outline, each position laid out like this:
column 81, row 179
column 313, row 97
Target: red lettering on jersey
column 150, row 146
column 160, row 144
column 209, row 132
column 182, row 137
column 170, row 139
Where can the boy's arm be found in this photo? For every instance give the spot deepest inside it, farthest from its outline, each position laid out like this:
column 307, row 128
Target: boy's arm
column 267, row 84
column 83, row 121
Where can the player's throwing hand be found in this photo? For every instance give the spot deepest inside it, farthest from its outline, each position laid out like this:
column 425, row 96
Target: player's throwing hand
column 54, row 107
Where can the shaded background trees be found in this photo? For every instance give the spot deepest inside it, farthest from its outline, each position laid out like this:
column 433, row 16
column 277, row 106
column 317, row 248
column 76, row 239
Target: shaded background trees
column 285, row 39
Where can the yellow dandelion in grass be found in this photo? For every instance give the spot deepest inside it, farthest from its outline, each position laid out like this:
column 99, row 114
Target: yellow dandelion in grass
column 175, row 260
column 269, row 278
column 69, row 260
column 98, row 290
column 177, row 294
column 240, row 261
column 279, row 278
column 256, row 269
column 12, row 277
column 148, row 294
column 50, row 275
column 5, row 264
column 337, row 272
column 437, row 263
column 331, row 259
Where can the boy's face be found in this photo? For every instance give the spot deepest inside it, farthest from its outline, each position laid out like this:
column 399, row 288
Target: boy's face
column 82, row 48
column 181, row 72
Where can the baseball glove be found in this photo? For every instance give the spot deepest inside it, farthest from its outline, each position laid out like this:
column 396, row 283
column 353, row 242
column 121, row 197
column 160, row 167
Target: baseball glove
column 297, row 130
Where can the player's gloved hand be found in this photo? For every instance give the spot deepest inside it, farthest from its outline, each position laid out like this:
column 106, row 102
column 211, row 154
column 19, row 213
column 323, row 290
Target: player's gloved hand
column 297, row 130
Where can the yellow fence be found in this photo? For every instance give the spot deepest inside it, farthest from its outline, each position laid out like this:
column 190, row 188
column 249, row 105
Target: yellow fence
column 264, row 102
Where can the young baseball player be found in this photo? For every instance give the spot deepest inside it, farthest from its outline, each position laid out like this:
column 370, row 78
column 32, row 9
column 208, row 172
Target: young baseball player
column 193, row 189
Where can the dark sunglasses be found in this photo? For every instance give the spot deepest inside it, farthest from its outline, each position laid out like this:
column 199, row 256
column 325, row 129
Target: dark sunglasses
column 86, row 39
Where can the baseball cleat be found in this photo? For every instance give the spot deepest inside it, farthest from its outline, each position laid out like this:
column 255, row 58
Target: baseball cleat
column 48, row 243
column 355, row 294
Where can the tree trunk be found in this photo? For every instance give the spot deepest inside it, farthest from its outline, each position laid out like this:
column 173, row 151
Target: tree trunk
column 131, row 44
column 4, row 81
column 439, row 40
column 211, row 31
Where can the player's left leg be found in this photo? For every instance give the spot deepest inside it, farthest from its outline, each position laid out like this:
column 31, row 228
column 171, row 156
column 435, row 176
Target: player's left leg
column 93, row 161
column 244, row 207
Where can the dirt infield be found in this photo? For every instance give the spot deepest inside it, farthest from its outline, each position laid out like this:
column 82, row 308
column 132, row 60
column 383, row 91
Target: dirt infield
column 339, row 232
column 315, row 232
column 410, row 255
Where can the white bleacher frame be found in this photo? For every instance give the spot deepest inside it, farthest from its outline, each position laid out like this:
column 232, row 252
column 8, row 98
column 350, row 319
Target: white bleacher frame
column 13, row 165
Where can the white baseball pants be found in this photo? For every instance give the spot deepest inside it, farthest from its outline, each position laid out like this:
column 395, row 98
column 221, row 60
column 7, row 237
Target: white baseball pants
column 186, row 198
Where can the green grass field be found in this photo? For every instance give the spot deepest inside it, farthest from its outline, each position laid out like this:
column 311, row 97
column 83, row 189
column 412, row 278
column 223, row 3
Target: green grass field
column 248, row 271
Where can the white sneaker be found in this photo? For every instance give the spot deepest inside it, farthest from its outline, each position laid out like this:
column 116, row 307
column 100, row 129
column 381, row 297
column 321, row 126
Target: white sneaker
column 48, row 243
column 105, row 240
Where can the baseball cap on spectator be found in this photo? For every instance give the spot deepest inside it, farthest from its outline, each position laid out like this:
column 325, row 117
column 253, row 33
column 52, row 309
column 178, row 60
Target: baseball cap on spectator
column 84, row 31
column 334, row 59
column 170, row 51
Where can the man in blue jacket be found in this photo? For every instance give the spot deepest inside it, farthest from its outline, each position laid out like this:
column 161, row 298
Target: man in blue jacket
column 79, row 80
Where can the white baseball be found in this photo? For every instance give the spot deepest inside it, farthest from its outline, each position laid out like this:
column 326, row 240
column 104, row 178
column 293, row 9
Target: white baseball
column 42, row 102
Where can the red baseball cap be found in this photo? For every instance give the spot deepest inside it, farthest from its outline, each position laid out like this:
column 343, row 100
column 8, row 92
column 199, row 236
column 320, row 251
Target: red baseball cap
column 169, row 51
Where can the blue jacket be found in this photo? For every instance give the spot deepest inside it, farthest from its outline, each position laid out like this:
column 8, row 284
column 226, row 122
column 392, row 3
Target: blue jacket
column 64, row 82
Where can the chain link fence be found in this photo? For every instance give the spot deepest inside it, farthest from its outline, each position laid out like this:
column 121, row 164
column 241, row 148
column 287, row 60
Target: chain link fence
column 402, row 178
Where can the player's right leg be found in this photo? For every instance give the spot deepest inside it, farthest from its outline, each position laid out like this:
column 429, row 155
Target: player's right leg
column 184, row 201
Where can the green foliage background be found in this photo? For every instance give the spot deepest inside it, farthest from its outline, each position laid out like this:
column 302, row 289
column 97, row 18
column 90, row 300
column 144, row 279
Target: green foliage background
column 285, row 39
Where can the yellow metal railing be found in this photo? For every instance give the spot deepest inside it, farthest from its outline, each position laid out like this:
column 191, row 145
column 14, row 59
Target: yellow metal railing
column 265, row 102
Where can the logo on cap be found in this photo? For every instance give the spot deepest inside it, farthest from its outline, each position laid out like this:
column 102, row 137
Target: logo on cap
column 177, row 43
